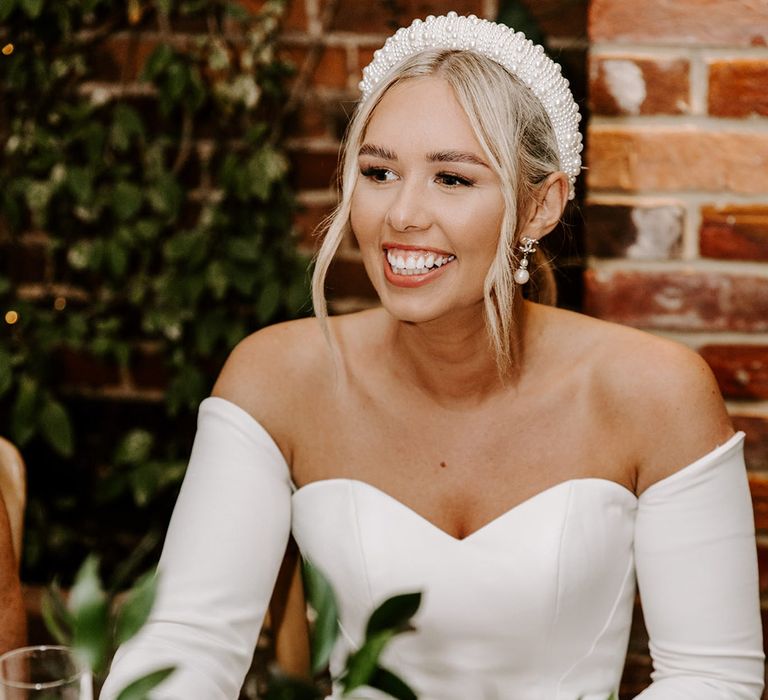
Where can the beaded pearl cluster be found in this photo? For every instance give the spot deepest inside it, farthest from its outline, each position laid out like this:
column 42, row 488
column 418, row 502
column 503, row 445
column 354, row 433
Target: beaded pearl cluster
column 520, row 56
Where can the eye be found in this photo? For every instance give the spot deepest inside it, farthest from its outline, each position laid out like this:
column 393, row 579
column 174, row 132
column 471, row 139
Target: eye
column 378, row 174
column 452, row 181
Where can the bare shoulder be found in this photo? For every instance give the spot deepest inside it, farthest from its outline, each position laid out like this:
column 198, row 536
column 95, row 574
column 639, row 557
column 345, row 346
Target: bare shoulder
column 671, row 409
column 272, row 371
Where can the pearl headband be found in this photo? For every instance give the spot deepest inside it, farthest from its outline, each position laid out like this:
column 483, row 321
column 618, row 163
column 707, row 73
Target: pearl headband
column 520, row 56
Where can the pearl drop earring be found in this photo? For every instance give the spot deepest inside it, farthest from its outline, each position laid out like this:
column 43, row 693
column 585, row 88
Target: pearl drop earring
column 528, row 246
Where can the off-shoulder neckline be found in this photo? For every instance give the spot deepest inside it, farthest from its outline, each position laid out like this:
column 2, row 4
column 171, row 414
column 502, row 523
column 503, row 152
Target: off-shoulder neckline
column 714, row 455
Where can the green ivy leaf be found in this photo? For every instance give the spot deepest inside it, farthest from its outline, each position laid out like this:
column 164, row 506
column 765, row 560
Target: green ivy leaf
column 157, row 62
column 23, row 413
column 6, row 371
column 56, row 427
column 320, row 596
column 32, row 8
column 126, row 200
column 134, row 448
column 6, row 7
column 126, row 123
column 268, row 301
column 134, row 612
column 141, row 687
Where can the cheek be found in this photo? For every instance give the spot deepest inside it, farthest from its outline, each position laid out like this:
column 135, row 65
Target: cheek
column 364, row 218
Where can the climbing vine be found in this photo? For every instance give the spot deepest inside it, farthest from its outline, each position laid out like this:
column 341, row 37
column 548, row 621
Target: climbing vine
column 159, row 214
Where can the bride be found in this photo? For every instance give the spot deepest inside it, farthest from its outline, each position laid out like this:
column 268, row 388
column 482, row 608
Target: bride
column 521, row 465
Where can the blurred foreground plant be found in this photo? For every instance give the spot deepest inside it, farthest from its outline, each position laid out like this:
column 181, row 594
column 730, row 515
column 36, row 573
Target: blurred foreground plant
column 94, row 623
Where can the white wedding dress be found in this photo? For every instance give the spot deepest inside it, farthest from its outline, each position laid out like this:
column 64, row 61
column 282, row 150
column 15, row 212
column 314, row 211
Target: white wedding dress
column 535, row 605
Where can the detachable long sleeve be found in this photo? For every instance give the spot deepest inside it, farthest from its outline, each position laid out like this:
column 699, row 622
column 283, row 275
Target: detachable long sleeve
column 697, row 575
column 222, row 553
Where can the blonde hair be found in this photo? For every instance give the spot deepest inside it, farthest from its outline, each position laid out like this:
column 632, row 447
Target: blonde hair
column 517, row 138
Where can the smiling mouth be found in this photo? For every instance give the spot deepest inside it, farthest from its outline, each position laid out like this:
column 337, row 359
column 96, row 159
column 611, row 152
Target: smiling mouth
column 412, row 262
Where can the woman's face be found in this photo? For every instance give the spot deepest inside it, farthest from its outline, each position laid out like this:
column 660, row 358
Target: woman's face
column 426, row 208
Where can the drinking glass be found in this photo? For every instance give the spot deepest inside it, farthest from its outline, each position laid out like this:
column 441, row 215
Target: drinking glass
column 43, row 673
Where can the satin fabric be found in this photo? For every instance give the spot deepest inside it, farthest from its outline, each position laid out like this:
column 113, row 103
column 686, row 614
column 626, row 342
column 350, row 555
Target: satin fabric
column 536, row 604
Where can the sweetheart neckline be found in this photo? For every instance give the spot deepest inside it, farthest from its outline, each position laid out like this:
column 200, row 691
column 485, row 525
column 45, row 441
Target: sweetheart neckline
column 485, row 526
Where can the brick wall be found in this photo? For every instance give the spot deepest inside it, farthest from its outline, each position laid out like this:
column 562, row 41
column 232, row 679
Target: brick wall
column 677, row 211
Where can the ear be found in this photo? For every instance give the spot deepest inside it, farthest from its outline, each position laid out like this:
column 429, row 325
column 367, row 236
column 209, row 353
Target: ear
column 547, row 206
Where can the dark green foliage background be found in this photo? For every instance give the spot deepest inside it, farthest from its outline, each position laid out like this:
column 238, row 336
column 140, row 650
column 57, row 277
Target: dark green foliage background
column 145, row 264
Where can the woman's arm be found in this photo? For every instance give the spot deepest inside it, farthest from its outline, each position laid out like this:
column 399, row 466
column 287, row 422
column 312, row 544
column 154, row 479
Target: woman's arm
column 695, row 549
column 221, row 557
column 12, row 618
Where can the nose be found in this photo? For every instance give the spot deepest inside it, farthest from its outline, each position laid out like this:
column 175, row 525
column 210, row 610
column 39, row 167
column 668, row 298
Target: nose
column 408, row 210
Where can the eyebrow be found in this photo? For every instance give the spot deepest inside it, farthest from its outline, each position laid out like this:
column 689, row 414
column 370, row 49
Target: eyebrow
column 369, row 149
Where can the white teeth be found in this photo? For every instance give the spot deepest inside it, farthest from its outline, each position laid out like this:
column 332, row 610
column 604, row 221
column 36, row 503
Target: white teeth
column 417, row 264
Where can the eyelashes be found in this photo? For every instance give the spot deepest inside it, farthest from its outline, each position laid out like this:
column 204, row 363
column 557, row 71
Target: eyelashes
column 382, row 175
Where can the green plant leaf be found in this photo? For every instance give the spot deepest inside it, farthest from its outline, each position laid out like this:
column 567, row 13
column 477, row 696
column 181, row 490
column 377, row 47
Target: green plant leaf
column 268, row 301
column 90, row 612
column 32, row 8
column 393, row 614
column 157, row 62
column 289, row 688
column 23, row 413
column 56, row 617
column 6, row 371
column 135, row 447
column 56, row 427
column 6, row 7
column 140, row 688
column 386, row 681
column 362, row 664
column 134, row 612
column 126, row 200
column 320, row 596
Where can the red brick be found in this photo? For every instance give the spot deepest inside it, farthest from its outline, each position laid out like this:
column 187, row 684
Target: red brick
column 310, row 119
column 758, row 486
column 308, row 219
column 734, row 232
column 294, row 17
column 762, row 565
column 330, row 71
column 684, row 300
column 556, row 18
column 149, row 369
column 26, row 261
column 348, row 278
column 741, row 370
column 80, row 369
column 384, row 16
column 122, row 56
column 737, row 87
column 620, row 85
column 756, row 442
column 690, row 22
column 677, row 158
column 648, row 233
column 312, row 170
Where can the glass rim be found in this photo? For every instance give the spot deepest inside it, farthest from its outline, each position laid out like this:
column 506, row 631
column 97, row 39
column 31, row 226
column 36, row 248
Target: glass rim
column 22, row 685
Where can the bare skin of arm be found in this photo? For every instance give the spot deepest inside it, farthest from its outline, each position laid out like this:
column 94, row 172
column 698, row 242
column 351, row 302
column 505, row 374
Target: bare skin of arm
column 13, row 630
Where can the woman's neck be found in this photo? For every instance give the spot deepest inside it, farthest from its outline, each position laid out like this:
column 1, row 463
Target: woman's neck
column 452, row 359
